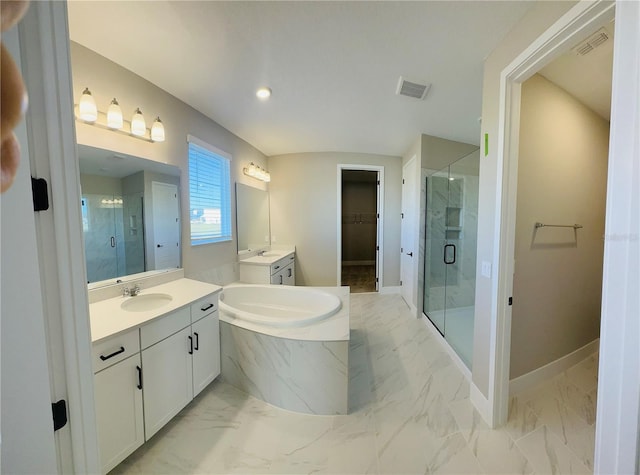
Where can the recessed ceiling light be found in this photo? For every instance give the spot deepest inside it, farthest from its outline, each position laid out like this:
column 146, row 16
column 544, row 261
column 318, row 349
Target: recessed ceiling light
column 263, row 93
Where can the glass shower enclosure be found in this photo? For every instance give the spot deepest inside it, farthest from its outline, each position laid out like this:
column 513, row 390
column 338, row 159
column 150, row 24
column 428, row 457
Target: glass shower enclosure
column 450, row 252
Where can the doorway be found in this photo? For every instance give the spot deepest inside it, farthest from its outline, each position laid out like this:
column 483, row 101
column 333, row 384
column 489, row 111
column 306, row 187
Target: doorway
column 359, row 230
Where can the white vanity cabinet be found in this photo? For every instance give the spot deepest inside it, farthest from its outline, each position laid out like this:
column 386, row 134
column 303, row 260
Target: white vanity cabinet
column 205, row 333
column 145, row 375
column 280, row 272
column 118, row 398
column 166, row 365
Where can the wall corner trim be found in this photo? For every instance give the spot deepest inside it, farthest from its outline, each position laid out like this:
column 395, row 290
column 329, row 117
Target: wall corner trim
column 481, row 403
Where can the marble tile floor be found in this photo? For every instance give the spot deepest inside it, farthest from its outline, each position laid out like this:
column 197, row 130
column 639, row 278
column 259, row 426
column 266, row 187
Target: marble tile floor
column 359, row 278
column 409, row 414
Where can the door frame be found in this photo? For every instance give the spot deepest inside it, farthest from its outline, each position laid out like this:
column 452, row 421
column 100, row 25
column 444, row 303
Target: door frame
column 379, row 224
column 44, row 41
column 618, row 408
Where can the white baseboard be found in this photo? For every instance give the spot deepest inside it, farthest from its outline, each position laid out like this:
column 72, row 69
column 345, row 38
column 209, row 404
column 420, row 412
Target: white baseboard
column 548, row 371
column 390, row 290
column 481, row 404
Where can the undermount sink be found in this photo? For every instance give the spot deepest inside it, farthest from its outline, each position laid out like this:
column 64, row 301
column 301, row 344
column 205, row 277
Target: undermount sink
column 145, row 302
column 272, row 254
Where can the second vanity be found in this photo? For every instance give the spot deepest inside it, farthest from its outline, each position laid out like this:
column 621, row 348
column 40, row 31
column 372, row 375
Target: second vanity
column 152, row 354
column 277, row 267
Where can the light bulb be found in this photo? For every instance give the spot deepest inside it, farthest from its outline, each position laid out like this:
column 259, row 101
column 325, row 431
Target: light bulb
column 157, row 131
column 138, row 126
column 263, row 93
column 251, row 171
column 87, row 106
column 267, row 177
column 114, row 115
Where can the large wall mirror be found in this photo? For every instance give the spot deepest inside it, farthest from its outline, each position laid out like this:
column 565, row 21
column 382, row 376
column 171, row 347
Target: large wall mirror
column 252, row 210
column 130, row 215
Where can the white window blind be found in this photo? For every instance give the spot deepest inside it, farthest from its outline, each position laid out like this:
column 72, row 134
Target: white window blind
column 209, row 193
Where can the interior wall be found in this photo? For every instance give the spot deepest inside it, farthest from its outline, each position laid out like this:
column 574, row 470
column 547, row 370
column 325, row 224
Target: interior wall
column 304, row 211
column 562, row 179
column 539, row 18
column 107, row 80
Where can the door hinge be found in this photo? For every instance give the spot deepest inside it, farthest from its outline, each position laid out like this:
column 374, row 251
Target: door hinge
column 401, row 283
column 378, row 215
column 377, row 248
column 59, row 410
column 39, row 190
column 401, row 250
column 403, row 181
column 377, row 280
column 510, row 300
column 401, row 215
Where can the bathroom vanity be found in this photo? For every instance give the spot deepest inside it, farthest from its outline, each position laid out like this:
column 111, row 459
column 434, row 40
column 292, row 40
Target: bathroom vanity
column 271, row 267
column 152, row 354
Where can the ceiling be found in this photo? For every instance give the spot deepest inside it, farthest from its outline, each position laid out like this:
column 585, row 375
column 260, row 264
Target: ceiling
column 333, row 66
column 587, row 77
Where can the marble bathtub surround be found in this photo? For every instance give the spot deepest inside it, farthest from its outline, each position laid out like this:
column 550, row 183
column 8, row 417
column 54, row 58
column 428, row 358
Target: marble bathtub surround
column 409, row 413
column 303, row 369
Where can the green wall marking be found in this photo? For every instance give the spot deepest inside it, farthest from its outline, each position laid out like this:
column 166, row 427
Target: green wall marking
column 486, row 144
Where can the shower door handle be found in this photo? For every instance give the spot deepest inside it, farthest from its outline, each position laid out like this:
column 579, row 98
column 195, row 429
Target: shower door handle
column 410, row 254
column 445, row 254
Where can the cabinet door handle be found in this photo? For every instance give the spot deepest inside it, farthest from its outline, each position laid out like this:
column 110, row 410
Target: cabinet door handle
column 289, row 273
column 117, row 352
column 277, row 267
column 197, row 347
column 206, row 307
column 139, row 377
column 190, row 344
column 281, row 282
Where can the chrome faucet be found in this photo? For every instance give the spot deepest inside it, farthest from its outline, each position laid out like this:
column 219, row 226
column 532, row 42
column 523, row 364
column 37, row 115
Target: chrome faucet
column 131, row 292
column 261, row 253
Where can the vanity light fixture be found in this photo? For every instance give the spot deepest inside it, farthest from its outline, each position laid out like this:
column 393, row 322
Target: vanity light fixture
column 138, row 125
column 88, row 110
column 112, row 120
column 157, row 130
column 256, row 172
column 114, row 115
column 263, row 93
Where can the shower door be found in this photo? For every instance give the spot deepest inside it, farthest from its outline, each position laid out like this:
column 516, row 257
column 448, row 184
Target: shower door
column 450, row 252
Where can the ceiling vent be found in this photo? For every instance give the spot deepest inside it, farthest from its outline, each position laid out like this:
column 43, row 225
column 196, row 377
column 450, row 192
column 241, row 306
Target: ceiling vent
column 591, row 43
column 412, row 89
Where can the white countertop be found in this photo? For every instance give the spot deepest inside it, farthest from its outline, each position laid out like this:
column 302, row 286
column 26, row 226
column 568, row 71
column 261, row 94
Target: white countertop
column 274, row 256
column 108, row 319
column 334, row 328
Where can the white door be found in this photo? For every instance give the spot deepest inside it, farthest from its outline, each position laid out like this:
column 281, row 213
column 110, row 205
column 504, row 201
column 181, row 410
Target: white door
column 206, row 351
column 167, row 380
column 166, row 225
column 28, row 444
column 409, row 254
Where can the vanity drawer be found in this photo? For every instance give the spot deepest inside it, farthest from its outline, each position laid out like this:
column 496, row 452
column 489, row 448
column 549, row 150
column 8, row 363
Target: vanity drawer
column 114, row 349
column 163, row 327
column 204, row 307
column 281, row 264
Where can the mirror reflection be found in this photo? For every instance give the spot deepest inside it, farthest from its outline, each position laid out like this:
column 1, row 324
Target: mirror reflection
column 252, row 210
column 130, row 214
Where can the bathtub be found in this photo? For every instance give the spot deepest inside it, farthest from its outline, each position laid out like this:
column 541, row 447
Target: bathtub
column 288, row 346
column 278, row 306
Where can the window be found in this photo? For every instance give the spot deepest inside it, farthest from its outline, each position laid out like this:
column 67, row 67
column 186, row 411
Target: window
column 209, row 193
